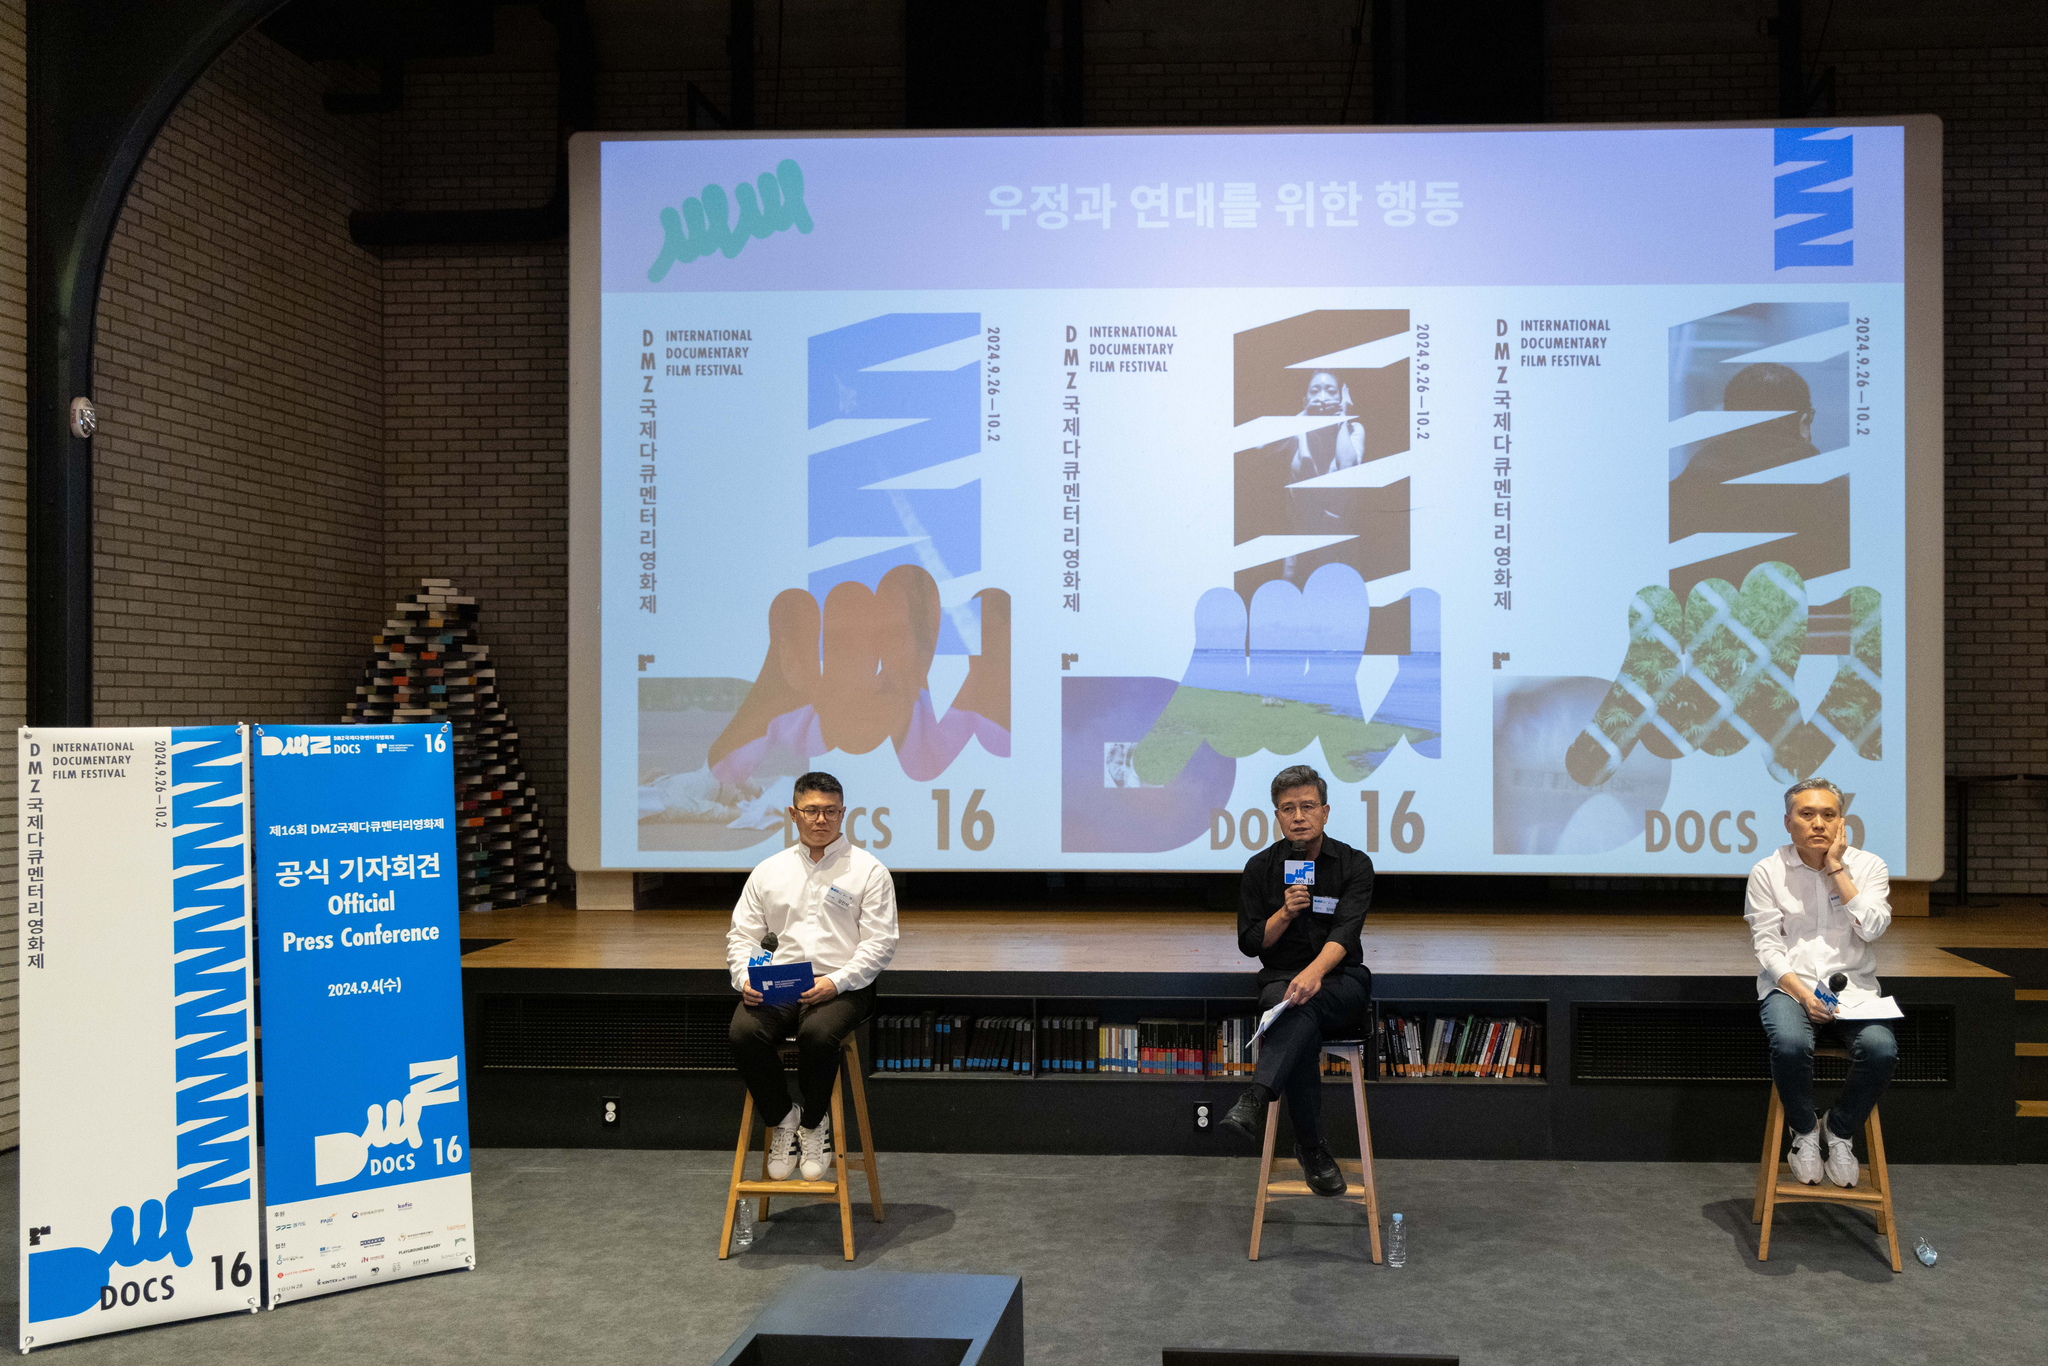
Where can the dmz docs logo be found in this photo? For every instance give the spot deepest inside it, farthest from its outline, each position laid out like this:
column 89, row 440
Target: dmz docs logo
column 308, row 744
column 1813, row 202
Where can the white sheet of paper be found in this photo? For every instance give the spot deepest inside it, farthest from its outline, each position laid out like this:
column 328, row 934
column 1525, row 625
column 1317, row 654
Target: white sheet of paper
column 1270, row 1016
column 1877, row 1008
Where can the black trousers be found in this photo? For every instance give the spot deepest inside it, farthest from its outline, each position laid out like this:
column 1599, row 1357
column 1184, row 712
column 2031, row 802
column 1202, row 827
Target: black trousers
column 757, row 1030
column 1290, row 1058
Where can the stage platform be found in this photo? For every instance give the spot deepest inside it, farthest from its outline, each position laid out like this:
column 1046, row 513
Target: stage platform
column 1652, row 1048
column 1459, row 944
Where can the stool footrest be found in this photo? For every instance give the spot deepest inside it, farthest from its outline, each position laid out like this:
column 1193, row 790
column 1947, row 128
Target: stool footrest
column 1344, row 1164
column 1854, row 1195
column 786, row 1187
column 1302, row 1188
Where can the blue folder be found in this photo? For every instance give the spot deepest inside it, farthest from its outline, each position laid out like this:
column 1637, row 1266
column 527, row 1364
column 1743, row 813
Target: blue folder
column 781, row 983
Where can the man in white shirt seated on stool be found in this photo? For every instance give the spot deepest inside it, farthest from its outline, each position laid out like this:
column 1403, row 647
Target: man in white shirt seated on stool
column 834, row 906
column 1814, row 907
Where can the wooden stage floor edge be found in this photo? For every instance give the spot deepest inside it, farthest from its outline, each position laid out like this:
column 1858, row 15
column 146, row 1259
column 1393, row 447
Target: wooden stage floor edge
column 1463, row 943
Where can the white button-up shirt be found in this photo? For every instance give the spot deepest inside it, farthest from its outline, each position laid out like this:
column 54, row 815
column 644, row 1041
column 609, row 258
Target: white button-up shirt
column 838, row 913
column 1799, row 925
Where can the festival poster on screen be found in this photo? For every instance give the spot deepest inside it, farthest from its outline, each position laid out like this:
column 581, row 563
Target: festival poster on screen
column 366, row 1124
column 138, row 1121
column 1544, row 490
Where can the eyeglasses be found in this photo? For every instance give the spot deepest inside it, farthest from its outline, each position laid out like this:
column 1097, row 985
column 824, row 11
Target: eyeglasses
column 821, row 813
column 1298, row 810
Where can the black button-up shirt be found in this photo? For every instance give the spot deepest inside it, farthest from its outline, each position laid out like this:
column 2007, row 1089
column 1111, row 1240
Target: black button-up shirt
column 1341, row 872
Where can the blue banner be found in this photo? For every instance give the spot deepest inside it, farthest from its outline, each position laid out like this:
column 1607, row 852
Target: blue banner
column 366, row 1139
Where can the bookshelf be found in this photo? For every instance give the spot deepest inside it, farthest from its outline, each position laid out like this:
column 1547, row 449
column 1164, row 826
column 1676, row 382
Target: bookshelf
column 1040, row 1035
column 1466, row 1042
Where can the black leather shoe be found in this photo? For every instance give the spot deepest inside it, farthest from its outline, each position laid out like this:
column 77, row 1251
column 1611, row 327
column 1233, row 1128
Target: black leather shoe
column 1246, row 1119
column 1324, row 1176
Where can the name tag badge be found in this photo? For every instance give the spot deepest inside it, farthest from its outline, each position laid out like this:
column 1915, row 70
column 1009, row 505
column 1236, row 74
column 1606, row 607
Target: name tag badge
column 1298, row 872
column 1323, row 905
column 838, row 898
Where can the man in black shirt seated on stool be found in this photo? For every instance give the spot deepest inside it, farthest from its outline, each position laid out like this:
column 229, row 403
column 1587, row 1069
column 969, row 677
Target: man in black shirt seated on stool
column 1305, row 936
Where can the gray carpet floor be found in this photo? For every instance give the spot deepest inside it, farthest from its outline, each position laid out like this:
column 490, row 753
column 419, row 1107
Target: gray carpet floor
column 608, row 1256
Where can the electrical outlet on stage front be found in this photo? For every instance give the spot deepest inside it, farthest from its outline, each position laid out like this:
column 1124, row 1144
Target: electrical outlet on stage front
column 1203, row 1120
column 611, row 1110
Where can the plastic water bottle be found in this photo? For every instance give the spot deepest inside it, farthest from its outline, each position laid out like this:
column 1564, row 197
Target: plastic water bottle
column 1925, row 1253
column 743, row 1227
column 1397, row 1242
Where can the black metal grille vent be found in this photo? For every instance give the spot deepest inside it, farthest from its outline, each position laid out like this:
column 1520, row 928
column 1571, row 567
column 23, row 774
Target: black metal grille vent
column 606, row 1033
column 1631, row 1041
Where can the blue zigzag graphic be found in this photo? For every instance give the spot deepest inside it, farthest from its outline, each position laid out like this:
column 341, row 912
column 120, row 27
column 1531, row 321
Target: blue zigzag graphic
column 209, row 971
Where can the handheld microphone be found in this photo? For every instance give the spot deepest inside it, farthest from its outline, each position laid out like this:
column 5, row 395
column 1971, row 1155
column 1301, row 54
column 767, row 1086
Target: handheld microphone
column 767, row 953
column 770, row 942
column 1829, row 995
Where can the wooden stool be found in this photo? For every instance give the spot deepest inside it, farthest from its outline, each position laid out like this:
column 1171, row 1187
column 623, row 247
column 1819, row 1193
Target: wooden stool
column 849, row 1054
column 1775, row 1186
column 1353, row 1052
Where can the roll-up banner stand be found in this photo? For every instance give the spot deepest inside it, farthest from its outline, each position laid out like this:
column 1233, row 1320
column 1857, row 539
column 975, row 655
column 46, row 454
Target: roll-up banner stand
column 138, row 1199
column 366, row 1124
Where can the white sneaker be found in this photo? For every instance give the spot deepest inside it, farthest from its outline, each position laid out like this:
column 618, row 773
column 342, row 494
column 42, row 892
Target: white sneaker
column 1841, row 1156
column 1805, row 1157
column 782, row 1145
column 817, row 1149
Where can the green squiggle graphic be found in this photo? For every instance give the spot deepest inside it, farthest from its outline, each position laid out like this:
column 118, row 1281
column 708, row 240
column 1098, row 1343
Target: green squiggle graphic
column 773, row 203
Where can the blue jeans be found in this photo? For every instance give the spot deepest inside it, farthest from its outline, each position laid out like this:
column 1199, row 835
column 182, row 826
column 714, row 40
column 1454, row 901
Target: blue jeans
column 1873, row 1053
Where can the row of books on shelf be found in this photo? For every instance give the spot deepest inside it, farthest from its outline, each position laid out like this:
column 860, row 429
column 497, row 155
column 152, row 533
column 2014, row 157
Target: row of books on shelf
column 1460, row 1046
column 1479, row 1046
column 932, row 1042
column 1153, row 1048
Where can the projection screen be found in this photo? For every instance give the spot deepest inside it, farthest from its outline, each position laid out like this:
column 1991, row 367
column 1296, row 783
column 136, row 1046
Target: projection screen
column 1562, row 494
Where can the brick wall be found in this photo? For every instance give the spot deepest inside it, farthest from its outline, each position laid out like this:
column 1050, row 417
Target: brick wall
column 238, row 477
column 13, row 517
column 476, row 398
column 1177, row 94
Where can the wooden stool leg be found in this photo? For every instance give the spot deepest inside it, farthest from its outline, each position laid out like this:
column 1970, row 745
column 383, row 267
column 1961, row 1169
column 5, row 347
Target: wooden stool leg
column 860, row 1114
column 1774, row 1119
column 739, row 1173
column 762, row 1212
column 839, row 1171
column 1265, row 1172
column 1770, row 1175
column 1881, row 1176
column 1372, row 1195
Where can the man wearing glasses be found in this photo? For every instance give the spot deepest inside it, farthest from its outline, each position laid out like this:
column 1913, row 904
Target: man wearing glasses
column 834, row 906
column 1303, row 926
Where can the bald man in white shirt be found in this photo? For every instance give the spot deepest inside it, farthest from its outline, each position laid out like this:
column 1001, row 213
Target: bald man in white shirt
column 833, row 906
column 1814, row 909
